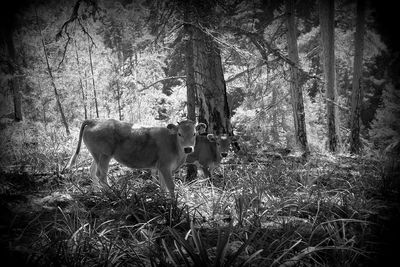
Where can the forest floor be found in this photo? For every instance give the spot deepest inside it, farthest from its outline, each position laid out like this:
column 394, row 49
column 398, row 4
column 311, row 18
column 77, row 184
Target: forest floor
column 269, row 211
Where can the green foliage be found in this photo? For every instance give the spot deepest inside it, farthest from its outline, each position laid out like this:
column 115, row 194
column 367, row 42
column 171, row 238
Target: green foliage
column 385, row 128
column 193, row 252
column 134, row 46
column 261, row 208
column 326, row 215
column 34, row 148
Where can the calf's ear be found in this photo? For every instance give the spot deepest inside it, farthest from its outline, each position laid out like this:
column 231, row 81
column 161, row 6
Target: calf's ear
column 172, row 128
column 211, row 137
column 201, row 128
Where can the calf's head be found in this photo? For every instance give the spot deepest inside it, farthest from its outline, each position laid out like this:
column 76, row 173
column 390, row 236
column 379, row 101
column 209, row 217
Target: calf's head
column 223, row 143
column 186, row 135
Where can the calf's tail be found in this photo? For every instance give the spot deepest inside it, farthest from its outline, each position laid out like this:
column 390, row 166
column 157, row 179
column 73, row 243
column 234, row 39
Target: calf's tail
column 78, row 148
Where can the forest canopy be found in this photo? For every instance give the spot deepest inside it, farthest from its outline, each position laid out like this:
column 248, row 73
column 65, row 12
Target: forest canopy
column 126, row 60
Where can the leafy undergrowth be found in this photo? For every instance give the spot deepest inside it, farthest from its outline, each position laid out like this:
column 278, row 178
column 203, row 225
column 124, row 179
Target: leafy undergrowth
column 326, row 211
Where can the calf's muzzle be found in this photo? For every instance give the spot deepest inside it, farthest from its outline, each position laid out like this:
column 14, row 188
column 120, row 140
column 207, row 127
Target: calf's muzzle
column 188, row 150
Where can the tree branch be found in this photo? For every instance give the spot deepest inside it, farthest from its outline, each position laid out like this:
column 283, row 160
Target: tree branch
column 65, row 50
column 265, row 48
column 240, row 74
column 161, row 80
column 64, row 28
column 85, row 31
column 72, row 18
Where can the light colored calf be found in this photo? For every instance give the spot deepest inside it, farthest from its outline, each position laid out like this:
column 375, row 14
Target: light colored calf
column 163, row 149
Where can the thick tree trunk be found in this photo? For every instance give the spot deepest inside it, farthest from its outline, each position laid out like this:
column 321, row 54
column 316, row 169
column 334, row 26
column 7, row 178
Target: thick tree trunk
column 13, row 83
column 326, row 14
column 210, row 84
column 190, row 82
column 206, row 88
column 296, row 92
column 356, row 97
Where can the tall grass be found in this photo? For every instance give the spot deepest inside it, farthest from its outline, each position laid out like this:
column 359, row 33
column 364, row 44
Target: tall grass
column 263, row 213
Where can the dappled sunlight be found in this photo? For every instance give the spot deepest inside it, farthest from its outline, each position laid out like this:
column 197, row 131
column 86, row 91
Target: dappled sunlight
column 289, row 111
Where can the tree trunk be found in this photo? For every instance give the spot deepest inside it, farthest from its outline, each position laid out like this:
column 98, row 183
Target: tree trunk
column 63, row 119
column 274, row 130
column 356, row 96
column 89, row 104
column 326, row 14
column 93, row 83
column 119, row 94
column 206, row 88
column 14, row 82
column 296, row 91
column 190, row 82
column 15, row 85
column 210, row 84
column 191, row 170
column 44, row 118
column 81, row 83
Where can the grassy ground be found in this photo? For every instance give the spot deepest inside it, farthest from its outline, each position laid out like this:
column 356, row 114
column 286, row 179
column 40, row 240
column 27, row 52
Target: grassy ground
column 326, row 211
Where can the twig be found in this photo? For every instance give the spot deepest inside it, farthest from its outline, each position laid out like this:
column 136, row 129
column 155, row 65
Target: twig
column 65, row 50
column 87, row 33
column 161, row 80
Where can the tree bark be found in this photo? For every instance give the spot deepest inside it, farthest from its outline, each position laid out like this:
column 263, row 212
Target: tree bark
column 13, row 83
column 210, row 84
column 274, row 130
column 206, row 88
column 190, row 82
column 326, row 14
column 357, row 90
column 191, row 173
column 296, row 91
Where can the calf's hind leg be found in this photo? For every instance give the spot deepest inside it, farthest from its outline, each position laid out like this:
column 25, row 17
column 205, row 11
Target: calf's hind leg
column 102, row 169
column 93, row 170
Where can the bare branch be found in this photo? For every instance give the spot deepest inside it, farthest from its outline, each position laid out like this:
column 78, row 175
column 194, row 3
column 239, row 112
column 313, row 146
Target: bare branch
column 85, row 31
column 265, row 48
column 162, row 80
column 64, row 28
column 65, row 50
column 72, row 18
column 240, row 74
